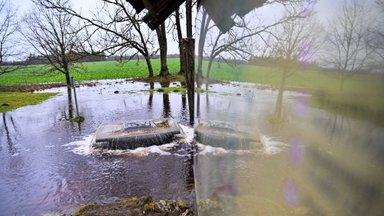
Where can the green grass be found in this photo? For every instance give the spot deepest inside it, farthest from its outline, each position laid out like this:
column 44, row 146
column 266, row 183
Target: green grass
column 87, row 71
column 363, row 93
column 310, row 80
column 361, row 98
column 13, row 100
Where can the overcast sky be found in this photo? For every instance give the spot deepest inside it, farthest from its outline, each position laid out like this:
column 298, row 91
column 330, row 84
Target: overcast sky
column 325, row 10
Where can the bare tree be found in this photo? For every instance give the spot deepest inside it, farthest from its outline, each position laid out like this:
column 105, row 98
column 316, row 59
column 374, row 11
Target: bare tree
column 291, row 44
column 204, row 28
column 347, row 47
column 179, row 38
column 237, row 42
column 8, row 28
column 376, row 40
column 55, row 36
column 123, row 28
column 177, row 32
column 162, row 39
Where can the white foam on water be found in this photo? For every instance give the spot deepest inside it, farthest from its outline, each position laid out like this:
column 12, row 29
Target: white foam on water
column 15, row 154
column 167, row 147
column 189, row 133
column 81, row 147
column 145, row 151
column 270, row 146
column 207, row 149
column 84, row 146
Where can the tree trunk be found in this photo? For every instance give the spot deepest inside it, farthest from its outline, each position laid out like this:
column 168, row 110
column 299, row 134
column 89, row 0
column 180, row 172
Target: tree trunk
column 209, row 68
column 162, row 38
column 188, row 46
column 69, row 91
column 342, row 79
column 189, row 18
column 279, row 101
column 180, row 37
column 182, row 55
column 201, row 49
column 149, row 66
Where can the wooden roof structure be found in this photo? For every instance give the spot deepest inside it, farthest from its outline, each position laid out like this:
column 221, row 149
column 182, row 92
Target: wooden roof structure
column 220, row 11
column 158, row 10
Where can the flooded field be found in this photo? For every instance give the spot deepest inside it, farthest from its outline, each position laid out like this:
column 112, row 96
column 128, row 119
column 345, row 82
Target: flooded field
column 314, row 162
column 47, row 165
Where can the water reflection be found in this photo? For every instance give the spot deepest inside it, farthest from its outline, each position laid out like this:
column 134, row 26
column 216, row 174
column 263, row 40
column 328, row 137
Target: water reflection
column 295, row 170
column 150, row 101
column 184, row 110
column 46, row 175
column 300, row 158
column 166, row 102
column 328, row 164
column 10, row 136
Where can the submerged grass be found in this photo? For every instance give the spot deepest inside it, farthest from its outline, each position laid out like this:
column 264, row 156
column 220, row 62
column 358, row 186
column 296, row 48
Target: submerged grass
column 13, row 100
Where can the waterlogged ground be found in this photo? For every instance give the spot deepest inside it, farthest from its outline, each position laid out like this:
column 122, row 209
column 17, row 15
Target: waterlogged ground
column 314, row 162
column 311, row 163
column 47, row 164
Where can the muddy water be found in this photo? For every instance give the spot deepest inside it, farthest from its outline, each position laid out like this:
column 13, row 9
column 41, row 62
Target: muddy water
column 312, row 163
column 42, row 170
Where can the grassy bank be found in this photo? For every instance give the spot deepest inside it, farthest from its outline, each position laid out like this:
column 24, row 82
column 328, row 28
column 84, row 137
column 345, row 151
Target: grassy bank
column 87, row 71
column 13, row 100
column 310, row 80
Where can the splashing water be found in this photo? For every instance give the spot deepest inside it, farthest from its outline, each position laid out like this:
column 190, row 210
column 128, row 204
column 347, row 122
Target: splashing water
column 270, row 146
column 84, row 146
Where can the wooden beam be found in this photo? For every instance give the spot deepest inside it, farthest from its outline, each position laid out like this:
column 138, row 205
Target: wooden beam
column 221, row 12
column 158, row 10
column 137, row 4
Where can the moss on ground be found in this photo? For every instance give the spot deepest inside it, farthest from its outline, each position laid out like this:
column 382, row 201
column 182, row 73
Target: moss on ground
column 136, row 206
column 78, row 119
column 13, row 100
column 167, row 90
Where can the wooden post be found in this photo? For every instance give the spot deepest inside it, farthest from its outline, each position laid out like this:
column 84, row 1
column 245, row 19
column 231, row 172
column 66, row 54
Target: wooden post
column 188, row 46
column 188, row 6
